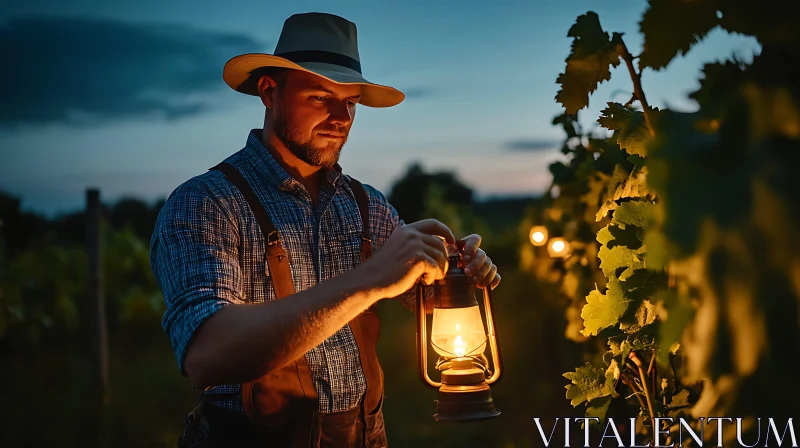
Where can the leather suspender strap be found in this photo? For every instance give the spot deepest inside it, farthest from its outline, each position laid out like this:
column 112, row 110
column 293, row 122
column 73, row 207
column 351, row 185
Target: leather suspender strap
column 281, row 275
column 362, row 200
column 364, row 327
column 277, row 258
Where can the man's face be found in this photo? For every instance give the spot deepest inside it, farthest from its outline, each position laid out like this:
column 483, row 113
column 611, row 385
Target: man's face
column 312, row 116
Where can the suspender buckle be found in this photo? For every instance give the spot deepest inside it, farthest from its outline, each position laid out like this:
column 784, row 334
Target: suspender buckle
column 273, row 238
column 366, row 239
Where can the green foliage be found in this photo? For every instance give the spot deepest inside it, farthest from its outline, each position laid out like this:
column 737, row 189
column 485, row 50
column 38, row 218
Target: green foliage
column 131, row 288
column 589, row 383
column 593, row 52
column 581, row 182
column 699, row 226
column 633, row 131
column 603, row 310
column 39, row 299
column 671, row 27
column 43, row 275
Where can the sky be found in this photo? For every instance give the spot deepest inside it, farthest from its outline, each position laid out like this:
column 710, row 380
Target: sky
column 128, row 97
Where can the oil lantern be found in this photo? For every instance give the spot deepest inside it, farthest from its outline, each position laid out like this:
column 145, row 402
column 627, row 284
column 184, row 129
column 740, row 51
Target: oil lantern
column 459, row 337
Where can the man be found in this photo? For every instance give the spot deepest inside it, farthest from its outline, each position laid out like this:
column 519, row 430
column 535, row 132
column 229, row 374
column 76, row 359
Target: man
column 266, row 261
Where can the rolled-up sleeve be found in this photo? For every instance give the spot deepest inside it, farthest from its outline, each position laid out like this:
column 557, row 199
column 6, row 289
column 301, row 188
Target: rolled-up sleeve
column 194, row 256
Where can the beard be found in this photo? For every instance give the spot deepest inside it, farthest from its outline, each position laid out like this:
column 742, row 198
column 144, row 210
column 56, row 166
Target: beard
column 325, row 156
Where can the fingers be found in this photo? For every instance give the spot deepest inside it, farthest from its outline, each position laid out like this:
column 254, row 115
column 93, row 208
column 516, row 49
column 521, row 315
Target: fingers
column 481, row 270
column 434, row 242
column 471, row 245
column 485, row 274
column 432, row 267
column 434, row 258
column 437, row 256
column 496, row 281
column 475, row 265
column 434, row 227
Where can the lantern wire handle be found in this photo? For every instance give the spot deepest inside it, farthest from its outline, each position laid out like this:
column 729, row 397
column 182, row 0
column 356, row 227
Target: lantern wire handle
column 422, row 339
column 487, row 303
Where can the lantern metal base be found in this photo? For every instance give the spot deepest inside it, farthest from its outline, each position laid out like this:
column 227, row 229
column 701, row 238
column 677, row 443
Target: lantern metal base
column 464, row 396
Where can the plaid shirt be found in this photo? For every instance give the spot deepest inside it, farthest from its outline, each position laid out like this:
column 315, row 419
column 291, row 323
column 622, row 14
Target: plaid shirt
column 207, row 252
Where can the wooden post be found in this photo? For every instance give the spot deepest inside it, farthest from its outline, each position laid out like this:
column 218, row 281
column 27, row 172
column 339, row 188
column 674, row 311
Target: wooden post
column 97, row 303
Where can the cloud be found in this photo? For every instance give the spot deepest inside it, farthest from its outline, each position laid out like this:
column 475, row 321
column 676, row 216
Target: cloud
column 532, row 145
column 417, row 92
column 83, row 71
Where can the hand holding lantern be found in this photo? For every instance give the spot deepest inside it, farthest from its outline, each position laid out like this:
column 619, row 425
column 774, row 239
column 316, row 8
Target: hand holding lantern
column 459, row 337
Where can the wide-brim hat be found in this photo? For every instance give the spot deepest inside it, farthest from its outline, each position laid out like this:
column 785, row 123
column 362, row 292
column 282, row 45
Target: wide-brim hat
column 323, row 44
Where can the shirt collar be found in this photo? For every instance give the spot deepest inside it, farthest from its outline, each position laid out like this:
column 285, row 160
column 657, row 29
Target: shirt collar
column 268, row 167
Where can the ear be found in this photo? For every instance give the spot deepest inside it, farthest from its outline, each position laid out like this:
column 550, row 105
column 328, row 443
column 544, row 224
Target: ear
column 267, row 88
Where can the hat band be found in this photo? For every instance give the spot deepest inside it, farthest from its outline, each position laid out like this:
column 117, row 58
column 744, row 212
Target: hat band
column 322, row 56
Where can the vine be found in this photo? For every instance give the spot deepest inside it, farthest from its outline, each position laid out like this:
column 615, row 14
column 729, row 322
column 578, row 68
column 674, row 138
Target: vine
column 692, row 217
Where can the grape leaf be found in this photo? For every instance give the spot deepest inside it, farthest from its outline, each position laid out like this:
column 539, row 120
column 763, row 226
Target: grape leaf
column 680, row 404
column 610, row 156
column 633, row 131
column 679, row 313
column 588, row 62
column 772, row 23
column 621, row 248
column 680, row 399
column 719, row 81
column 603, row 310
column 629, row 236
column 562, row 174
column 604, row 236
column 619, row 346
column 633, row 137
column 598, row 408
column 619, row 176
column 657, row 255
column 615, row 116
column 588, row 383
column 637, row 161
column 618, row 257
column 630, row 186
column 597, row 186
column 671, row 27
column 569, row 122
column 634, row 213
column 636, row 318
column 639, row 287
column 631, row 270
column 612, row 376
column 644, row 283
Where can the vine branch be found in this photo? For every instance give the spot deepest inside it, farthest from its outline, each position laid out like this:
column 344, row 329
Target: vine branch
column 636, row 393
column 652, row 371
column 642, row 376
column 637, row 85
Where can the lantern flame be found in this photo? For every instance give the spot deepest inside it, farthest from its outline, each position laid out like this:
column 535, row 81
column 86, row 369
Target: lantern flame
column 458, row 332
column 459, row 346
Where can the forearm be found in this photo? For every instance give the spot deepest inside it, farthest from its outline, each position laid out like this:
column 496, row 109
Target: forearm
column 243, row 342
